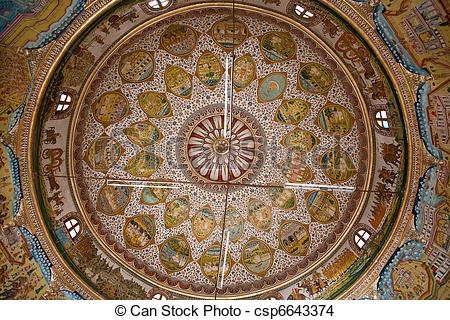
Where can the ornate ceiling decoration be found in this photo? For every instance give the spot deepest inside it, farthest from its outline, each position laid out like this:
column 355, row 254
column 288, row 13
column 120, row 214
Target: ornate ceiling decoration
column 171, row 148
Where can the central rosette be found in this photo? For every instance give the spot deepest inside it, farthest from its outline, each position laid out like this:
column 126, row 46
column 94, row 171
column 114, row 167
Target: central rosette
column 210, row 156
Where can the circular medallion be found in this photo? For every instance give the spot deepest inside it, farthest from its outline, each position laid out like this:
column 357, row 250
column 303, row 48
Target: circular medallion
column 137, row 66
column 229, row 32
column 213, row 157
column 278, row 46
column 315, row 78
column 179, row 40
column 257, row 257
column 294, row 238
column 139, row 231
column 110, row 108
column 175, row 254
column 211, row 266
column 103, row 153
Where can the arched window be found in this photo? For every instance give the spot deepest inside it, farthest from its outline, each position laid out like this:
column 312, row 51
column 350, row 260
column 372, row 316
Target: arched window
column 64, row 102
column 382, row 119
column 157, row 5
column 159, row 296
column 73, row 227
column 303, row 12
column 361, row 237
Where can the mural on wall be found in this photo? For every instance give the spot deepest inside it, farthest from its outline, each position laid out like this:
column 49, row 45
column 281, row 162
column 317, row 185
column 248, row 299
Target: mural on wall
column 418, row 34
column 33, row 24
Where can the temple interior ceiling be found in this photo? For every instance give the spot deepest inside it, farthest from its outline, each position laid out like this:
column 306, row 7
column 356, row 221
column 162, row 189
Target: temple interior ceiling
column 258, row 149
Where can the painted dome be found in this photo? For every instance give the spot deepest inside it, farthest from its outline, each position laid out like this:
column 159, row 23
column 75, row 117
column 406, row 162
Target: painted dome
column 211, row 150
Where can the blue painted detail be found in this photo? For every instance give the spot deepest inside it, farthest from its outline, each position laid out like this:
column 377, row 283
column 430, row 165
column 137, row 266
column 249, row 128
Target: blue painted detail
column 14, row 167
column 426, row 196
column 59, row 27
column 15, row 116
column 72, row 295
column 389, row 37
column 421, row 106
column 59, row 232
column 38, row 253
column 10, row 9
column 411, row 250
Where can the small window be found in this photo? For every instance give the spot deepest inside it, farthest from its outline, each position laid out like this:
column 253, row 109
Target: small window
column 64, row 102
column 159, row 296
column 302, row 12
column 73, row 227
column 361, row 238
column 382, row 119
column 157, row 5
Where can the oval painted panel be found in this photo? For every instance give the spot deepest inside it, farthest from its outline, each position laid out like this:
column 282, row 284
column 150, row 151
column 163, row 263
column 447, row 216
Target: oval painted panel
column 300, row 141
column 294, row 238
column 244, row 72
column 155, row 104
column 110, row 108
column 210, row 263
column 179, row 40
column 259, row 214
column 282, row 198
column 137, row 66
column 103, row 153
column 257, row 257
column 229, row 32
column 112, row 200
column 143, row 133
column 234, row 224
column 292, row 111
column 295, row 170
column 337, row 165
column 178, row 82
column 315, row 78
column 151, row 196
column 335, row 120
column 323, row 206
column 176, row 212
column 203, row 223
column 278, row 46
column 272, row 86
column 139, row 231
column 144, row 164
column 209, row 69
column 175, row 253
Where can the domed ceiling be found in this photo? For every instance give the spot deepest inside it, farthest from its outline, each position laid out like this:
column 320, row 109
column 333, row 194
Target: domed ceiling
column 220, row 150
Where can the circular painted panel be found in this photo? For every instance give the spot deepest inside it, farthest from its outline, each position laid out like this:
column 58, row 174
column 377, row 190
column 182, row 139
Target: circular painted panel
column 139, row 231
column 315, row 78
column 244, row 71
column 323, row 206
column 179, row 40
column 209, row 69
column 257, row 257
column 110, row 108
column 175, row 254
column 103, row 153
column 211, row 266
column 294, row 238
column 272, row 86
column 229, row 32
column 136, row 66
column 278, row 46
column 335, row 120
column 337, row 165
